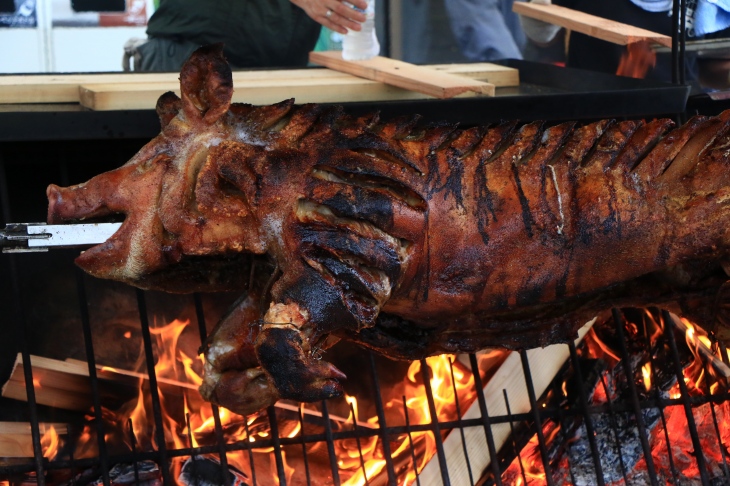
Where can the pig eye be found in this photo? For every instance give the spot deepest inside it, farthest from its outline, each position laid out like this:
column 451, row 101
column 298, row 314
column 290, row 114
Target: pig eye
column 148, row 164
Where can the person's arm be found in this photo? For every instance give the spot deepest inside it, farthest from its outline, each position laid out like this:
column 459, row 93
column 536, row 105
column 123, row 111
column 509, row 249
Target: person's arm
column 334, row 14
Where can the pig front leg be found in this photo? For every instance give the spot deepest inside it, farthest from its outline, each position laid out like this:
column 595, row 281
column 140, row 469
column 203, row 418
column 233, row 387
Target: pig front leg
column 233, row 378
column 285, row 350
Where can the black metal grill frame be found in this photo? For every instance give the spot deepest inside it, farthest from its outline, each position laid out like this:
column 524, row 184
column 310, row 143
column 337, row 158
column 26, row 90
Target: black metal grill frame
column 162, row 456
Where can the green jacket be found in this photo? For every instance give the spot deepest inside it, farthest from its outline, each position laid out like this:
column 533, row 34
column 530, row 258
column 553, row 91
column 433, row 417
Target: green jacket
column 256, row 33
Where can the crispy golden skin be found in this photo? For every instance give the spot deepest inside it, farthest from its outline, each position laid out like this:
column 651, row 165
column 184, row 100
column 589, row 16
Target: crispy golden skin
column 409, row 240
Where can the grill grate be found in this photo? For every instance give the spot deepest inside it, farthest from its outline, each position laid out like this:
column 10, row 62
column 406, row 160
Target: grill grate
column 385, row 432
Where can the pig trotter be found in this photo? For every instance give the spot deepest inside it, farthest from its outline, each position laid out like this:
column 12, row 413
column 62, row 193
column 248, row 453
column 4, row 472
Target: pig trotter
column 297, row 375
column 242, row 392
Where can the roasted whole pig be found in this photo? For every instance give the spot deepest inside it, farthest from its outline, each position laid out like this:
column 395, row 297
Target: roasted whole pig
column 410, row 240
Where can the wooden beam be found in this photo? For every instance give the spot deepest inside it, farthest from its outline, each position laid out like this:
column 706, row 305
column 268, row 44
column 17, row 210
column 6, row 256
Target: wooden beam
column 544, row 365
column 404, row 75
column 590, row 25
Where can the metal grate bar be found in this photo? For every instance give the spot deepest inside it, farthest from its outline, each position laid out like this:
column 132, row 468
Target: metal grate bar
column 91, row 361
column 410, row 442
column 614, row 429
column 249, row 446
column 359, row 445
column 133, row 441
column 154, row 393
column 583, row 402
column 380, row 410
column 274, row 432
column 461, row 429
column 220, row 439
column 628, row 370
column 720, row 444
column 657, row 394
column 435, row 427
column 536, row 416
column 512, row 434
column 330, row 444
column 561, row 422
column 304, row 447
column 21, row 338
column 486, row 420
column 699, row 456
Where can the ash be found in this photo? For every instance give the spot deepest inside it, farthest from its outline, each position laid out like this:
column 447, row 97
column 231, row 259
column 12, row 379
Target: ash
column 617, row 440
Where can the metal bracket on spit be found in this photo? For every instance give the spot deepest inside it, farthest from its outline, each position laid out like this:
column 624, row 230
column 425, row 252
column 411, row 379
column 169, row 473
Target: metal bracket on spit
column 36, row 237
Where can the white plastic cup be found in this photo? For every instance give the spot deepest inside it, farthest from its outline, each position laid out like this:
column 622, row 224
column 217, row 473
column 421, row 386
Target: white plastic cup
column 359, row 46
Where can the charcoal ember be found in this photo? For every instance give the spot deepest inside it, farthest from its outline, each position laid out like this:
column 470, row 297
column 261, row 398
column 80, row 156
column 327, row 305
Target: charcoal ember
column 607, row 429
column 207, row 471
column 148, row 473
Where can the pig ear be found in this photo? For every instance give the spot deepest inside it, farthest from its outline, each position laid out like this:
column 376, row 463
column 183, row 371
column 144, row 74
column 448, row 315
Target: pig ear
column 206, row 84
column 168, row 106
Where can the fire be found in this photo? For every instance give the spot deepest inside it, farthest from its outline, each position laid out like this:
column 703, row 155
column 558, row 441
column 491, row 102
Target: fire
column 646, row 374
column 638, row 59
column 51, row 443
column 449, row 382
column 674, row 459
column 188, row 421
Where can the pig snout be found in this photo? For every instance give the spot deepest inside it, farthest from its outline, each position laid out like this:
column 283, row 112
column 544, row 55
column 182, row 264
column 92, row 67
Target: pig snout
column 74, row 203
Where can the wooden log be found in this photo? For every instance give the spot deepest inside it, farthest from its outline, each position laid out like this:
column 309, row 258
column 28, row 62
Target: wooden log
column 16, row 439
column 598, row 27
column 65, row 385
column 701, row 345
column 544, row 365
column 404, row 75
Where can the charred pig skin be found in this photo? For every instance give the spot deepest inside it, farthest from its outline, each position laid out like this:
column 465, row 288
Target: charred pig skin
column 411, row 240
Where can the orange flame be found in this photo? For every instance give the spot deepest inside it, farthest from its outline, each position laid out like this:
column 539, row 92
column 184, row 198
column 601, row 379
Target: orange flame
column 646, row 374
column 449, row 381
column 638, row 59
column 697, row 376
column 51, row 443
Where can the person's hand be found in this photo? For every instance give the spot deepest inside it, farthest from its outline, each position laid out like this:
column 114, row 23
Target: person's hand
column 334, row 14
column 537, row 30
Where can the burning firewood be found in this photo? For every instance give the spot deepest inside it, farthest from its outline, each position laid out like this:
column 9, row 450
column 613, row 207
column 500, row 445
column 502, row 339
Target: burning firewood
column 16, row 439
column 510, row 379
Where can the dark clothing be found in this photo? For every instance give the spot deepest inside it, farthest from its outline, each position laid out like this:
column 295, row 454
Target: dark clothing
column 587, row 52
column 261, row 33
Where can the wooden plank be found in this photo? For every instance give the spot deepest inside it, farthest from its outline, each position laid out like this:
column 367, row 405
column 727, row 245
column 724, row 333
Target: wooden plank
column 544, row 365
column 404, row 75
column 64, row 88
column 591, row 25
column 61, row 384
column 16, row 439
column 144, row 97
column 495, row 74
column 261, row 91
